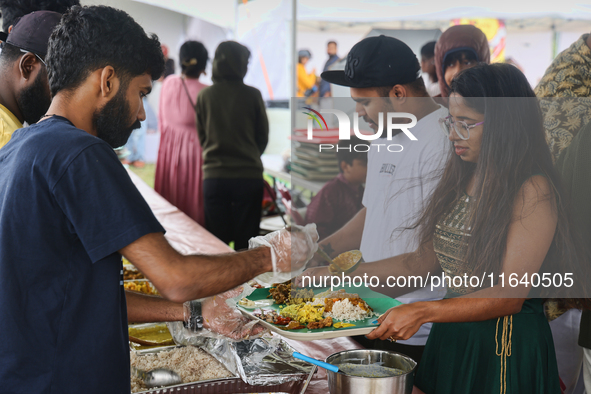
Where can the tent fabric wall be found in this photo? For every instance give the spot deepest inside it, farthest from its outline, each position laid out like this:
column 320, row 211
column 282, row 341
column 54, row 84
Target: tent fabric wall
column 218, row 12
column 264, row 27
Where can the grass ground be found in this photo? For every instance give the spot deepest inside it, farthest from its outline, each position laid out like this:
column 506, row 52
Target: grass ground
column 147, row 173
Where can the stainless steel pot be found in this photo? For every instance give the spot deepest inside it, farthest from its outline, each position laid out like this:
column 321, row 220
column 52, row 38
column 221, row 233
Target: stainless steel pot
column 339, row 383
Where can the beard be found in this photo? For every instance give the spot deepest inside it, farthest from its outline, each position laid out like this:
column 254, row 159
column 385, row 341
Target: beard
column 112, row 121
column 35, row 100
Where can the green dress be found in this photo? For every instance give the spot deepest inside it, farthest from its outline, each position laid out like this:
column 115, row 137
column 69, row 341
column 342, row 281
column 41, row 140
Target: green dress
column 512, row 354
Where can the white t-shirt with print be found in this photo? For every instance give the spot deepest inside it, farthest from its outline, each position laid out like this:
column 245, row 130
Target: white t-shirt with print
column 397, row 188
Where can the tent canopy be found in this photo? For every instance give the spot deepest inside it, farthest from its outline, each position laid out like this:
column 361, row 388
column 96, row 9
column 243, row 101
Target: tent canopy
column 218, row 12
column 363, row 11
column 353, row 12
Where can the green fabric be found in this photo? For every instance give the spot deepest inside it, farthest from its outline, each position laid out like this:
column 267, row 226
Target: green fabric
column 461, row 358
column 574, row 164
column 231, row 119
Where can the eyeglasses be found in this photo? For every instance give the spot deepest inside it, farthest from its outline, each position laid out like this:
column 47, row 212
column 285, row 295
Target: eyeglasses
column 38, row 57
column 461, row 128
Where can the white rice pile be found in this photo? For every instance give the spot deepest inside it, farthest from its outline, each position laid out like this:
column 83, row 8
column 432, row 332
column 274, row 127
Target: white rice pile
column 345, row 311
column 336, row 294
column 191, row 363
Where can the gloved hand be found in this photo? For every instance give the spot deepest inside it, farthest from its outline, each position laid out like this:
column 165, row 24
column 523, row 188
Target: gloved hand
column 220, row 318
column 290, row 248
column 310, row 273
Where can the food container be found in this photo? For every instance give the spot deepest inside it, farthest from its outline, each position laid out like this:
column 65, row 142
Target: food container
column 339, row 383
column 292, row 383
column 152, row 332
column 232, row 386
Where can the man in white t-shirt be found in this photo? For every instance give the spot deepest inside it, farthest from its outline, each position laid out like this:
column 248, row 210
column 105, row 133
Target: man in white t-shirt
column 385, row 76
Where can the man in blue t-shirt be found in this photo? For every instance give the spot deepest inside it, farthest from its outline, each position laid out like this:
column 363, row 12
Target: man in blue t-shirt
column 68, row 211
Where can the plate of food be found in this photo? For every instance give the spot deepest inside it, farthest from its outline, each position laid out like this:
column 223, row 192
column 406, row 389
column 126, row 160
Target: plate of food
column 306, row 314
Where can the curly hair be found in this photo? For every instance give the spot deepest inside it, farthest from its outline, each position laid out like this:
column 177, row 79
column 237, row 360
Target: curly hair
column 14, row 9
column 90, row 38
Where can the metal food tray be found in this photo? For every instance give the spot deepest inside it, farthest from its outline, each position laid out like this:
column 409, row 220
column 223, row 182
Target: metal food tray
column 233, row 385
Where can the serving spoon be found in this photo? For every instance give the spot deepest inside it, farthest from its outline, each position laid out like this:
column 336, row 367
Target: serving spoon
column 158, row 377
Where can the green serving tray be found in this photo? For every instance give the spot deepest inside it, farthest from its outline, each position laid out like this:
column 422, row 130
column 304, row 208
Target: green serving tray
column 379, row 302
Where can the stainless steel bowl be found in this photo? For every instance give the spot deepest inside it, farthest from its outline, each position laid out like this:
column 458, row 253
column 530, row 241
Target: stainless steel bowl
column 339, row 383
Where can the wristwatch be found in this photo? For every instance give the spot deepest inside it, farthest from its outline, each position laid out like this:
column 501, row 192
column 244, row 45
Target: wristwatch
column 195, row 322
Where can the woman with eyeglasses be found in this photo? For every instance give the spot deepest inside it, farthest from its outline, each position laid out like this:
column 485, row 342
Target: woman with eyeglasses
column 499, row 209
column 498, row 212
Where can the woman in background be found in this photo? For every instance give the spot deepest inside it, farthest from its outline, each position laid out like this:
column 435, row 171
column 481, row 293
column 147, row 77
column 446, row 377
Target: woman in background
column 178, row 170
column 234, row 132
column 459, row 47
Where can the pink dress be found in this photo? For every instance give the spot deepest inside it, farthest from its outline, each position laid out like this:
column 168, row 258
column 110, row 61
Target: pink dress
column 178, row 169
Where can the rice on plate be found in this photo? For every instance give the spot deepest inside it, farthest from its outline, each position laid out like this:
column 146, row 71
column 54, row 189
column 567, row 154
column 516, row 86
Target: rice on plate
column 344, row 306
column 344, row 310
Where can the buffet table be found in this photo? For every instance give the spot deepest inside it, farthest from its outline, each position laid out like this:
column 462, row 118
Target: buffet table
column 188, row 237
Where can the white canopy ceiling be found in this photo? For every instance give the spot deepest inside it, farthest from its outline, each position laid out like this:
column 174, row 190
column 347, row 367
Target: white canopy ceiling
column 339, row 14
column 357, row 11
column 218, row 12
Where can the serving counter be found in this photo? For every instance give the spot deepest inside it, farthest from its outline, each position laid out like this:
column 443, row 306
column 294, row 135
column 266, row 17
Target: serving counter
column 188, row 237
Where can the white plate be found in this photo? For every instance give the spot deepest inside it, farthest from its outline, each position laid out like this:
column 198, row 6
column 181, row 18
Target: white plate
column 258, row 304
column 312, row 335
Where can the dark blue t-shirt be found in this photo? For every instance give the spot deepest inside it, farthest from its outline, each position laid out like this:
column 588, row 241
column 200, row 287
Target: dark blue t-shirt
column 67, row 206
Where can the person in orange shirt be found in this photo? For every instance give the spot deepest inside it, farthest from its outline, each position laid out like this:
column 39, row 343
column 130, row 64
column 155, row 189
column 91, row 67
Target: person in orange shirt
column 306, row 81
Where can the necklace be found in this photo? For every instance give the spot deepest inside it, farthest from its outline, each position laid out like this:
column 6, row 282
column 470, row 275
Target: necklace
column 47, row 116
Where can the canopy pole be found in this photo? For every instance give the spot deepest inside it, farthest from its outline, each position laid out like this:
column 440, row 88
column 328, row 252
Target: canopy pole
column 293, row 62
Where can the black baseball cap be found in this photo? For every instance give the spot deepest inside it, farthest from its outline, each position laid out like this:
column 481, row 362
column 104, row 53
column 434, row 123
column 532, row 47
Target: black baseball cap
column 377, row 61
column 31, row 32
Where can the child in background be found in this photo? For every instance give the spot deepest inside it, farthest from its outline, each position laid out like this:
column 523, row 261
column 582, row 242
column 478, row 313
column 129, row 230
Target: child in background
column 341, row 198
column 306, row 81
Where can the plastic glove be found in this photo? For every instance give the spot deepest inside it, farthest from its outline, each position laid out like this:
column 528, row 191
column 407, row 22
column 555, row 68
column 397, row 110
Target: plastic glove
column 290, row 248
column 317, row 272
column 223, row 319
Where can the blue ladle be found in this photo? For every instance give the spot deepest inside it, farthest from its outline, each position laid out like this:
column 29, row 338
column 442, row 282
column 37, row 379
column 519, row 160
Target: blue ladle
column 321, row 364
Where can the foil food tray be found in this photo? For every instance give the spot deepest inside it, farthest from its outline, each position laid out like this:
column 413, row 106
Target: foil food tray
column 260, row 361
column 267, row 366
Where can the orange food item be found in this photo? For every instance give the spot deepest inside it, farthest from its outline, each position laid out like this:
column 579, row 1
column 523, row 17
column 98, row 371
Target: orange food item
column 141, row 287
column 346, row 261
column 294, row 325
column 320, row 324
column 129, row 274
